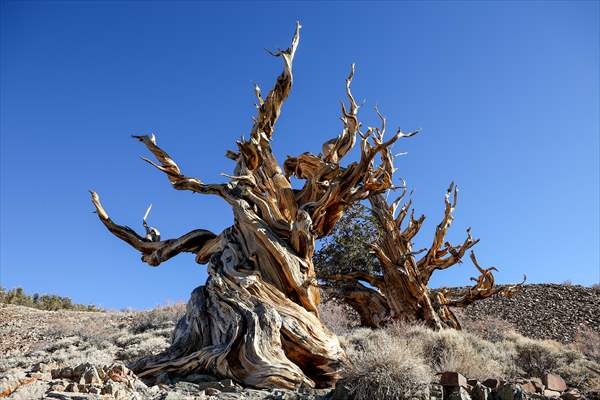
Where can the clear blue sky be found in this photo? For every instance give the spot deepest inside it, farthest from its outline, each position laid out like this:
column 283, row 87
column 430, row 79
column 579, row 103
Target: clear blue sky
column 507, row 95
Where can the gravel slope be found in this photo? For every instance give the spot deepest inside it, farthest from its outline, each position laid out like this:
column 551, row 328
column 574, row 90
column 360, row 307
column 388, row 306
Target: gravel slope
column 544, row 311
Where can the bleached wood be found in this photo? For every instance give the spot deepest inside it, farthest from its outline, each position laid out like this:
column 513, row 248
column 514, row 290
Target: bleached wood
column 256, row 319
column 403, row 285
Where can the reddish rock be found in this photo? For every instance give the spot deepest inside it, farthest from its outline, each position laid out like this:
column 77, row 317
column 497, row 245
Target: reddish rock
column 528, row 387
column 554, row 382
column 453, row 379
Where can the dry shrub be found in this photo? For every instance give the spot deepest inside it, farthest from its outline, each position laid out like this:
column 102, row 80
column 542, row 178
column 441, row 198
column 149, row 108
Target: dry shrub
column 384, row 367
column 492, row 329
column 534, row 357
column 338, row 317
column 136, row 346
column 77, row 352
column 587, row 341
column 99, row 332
column 397, row 361
column 463, row 352
column 160, row 317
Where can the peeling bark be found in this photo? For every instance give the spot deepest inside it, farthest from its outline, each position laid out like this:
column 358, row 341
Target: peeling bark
column 256, row 319
column 403, row 285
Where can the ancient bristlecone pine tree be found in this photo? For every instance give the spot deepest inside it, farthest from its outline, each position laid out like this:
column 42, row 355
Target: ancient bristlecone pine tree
column 256, row 319
column 398, row 289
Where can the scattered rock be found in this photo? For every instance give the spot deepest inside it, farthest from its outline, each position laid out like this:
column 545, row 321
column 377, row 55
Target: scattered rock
column 72, row 387
column 528, row 387
column 436, row 392
column 553, row 394
column 538, row 310
column 212, row 391
column 571, row 394
column 539, row 386
column 453, row 379
column 459, row 393
column 90, row 376
column 480, row 392
column 510, row 391
column 492, row 383
column 554, row 382
column 71, row 396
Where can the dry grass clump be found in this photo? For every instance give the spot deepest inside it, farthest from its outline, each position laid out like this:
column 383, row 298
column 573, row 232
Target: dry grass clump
column 492, row 329
column 399, row 361
column 532, row 357
column 338, row 317
column 108, row 337
column 588, row 342
column 463, row 352
column 99, row 332
column 74, row 351
column 160, row 317
column 133, row 347
column 384, row 367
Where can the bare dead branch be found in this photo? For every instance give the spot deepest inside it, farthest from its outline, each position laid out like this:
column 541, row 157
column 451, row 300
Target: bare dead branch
column 171, row 169
column 153, row 252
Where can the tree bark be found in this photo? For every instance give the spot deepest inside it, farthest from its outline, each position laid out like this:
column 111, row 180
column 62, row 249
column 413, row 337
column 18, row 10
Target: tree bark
column 403, row 285
column 256, row 319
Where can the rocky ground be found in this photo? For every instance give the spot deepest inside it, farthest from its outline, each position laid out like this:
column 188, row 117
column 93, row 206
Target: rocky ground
column 73, row 355
column 83, row 355
column 544, row 311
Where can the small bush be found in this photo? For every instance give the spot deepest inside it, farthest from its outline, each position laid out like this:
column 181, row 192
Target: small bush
column 534, row 357
column 492, row 329
column 141, row 345
column 158, row 318
column 99, row 332
column 385, row 367
column 588, row 342
column 463, row 352
column 337, row 317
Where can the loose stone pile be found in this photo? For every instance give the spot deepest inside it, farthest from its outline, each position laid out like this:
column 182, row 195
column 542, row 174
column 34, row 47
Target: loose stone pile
column 454, row 386
column 544, row 311
column 549, row 386
column 88, row 382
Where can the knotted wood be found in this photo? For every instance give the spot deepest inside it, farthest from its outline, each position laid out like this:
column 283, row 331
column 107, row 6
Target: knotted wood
column 402, row 286
column 256, row 320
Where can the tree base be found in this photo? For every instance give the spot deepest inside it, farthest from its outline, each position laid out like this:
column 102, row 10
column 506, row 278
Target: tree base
column 242, row 328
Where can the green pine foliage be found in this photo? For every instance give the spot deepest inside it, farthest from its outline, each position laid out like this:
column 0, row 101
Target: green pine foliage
column 348, row 247
column 49, row 302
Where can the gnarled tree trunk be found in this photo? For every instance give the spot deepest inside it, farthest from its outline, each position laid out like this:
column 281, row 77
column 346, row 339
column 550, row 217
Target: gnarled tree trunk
column 256, row 319
column 401, row 292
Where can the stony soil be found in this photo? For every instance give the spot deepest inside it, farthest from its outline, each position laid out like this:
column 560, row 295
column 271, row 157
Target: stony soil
column 544, row 311
column 83, row 355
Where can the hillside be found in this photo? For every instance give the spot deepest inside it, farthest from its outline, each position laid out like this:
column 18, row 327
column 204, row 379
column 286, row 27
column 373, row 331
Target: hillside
column 544, row 311
column 82, row 355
